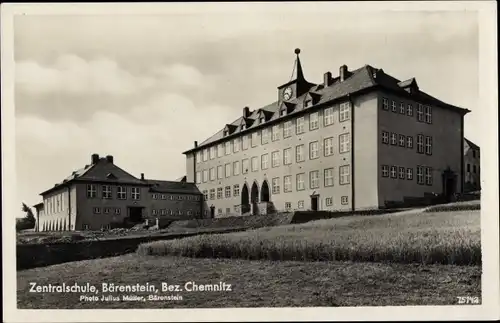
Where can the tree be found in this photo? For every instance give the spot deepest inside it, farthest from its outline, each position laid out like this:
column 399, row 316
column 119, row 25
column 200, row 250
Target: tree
column 28, row 222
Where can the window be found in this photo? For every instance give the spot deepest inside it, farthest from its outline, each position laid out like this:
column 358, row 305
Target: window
column 275, row 158
column 236, row 145
column 118, row 210
column 220, row 150
column 420, row 144
column 282, row 112
column 205, row 154
column 468, row 168
column 385, row 171
column 328, row 146
column 287, row 156
column 420, row 175
column 107, row 210
column 314, row 121
column 473, row 154
column 402, row 173
column 205, row 195
column 264, row 136
column 163, row 211
column 402, row 140
column 97, row 210
column 228, row 210
column 227, row 169
column 255, row 164
column 276, row 185
column 385, row 137
column 409, row 142
column 106, row 192
column 91, row 191
column 245, row 166
column 264, row 161
column 164, row 196
column 344, row 174
column 300, row 204
column 394, row 138
column 227, row 148
column 409, row 173
column 314, row 179
column 136, row 194
column 155, row 196
column 428, row 145
column 344, row 200
column 420, row 113
column 328, row 116
column 121, row 192
column 385, row 104
column 308, row 103
column 198, row 177
column 428, row 176
column 328, row 177
column 244, row 145
column 212, row 152
column 299, row 153
column 329, row 201
column 409, row 110
column 474, row 169
column 255, row 138
column 227, row 192
column 275, row 135
column 262, row 120
column 220, row 173
column 428, row 114
column 219, row 211
column 86, row 227
column 236, row 168
column 344, row 111
column 198, row 157
column 313, row 150
column 205, row 176
column 394, row 107
column 287, row 183
column 236, row 190
column 299, row 125
column 288, row 206
column 212, row 174
column 219, row 193
column 300, row 182
column 287, row 129
column 394, row 173
column 402, row 108
column 344, row 143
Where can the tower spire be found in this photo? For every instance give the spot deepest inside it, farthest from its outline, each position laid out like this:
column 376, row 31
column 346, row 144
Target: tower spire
column 300, row 74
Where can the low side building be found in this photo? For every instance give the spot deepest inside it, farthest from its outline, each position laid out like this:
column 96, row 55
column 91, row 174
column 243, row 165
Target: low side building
column 472, row 164
column 101, row 195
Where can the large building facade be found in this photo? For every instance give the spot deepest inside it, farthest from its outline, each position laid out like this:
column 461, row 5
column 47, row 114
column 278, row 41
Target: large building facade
column 360, row 140
column 101, row 195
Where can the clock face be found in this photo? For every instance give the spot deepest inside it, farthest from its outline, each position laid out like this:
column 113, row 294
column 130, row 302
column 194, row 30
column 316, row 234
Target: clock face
column 287, row 94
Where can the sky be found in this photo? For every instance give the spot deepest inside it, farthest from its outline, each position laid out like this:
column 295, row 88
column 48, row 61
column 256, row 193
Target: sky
column 143, row 88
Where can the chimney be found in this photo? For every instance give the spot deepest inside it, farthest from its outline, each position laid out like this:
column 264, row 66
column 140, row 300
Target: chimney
column 142, row 176
column 195, row 144
column 246, row 112
column 95, row 159
column 343, row 73
column 109, row 158
column 327, row 79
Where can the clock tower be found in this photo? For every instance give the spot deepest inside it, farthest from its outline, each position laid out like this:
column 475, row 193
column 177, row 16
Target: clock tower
column 296, row 86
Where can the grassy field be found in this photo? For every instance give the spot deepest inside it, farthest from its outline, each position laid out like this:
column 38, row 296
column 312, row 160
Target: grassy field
column 256, row 283
column 426, row 238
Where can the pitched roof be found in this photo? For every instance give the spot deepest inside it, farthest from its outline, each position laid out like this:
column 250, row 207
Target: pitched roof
column 172, row 187
column 366, row 78
column 471, row 144
column 102, row 171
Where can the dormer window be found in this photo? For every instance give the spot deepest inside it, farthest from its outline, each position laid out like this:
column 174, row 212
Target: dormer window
column 226, row 133
column 262, row 120
column 243, row 127
column 282, row 112
column 308, row 103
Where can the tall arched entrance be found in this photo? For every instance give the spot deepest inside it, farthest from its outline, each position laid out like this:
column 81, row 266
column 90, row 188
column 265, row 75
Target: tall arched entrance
column 264, row 192
column 254, row 198
column 245, row 203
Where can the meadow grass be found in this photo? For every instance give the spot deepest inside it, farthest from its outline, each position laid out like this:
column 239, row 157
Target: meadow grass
column 425, row 238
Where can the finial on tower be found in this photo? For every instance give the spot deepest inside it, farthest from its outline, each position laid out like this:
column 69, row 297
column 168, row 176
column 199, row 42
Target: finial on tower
column 297, row 51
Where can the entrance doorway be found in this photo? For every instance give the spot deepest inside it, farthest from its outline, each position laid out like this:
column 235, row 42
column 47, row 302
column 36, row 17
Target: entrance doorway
column 135, row 214
column 254, row 198
column 264, row 192
column 449, row 184
column 245, row 204
column 314, row 202
column 212, row 212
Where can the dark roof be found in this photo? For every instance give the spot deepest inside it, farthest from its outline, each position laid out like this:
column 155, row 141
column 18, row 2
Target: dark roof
column 38, row 205
column 172, row 187
column 363, row 79
column 102, row 171
column 471, row 144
